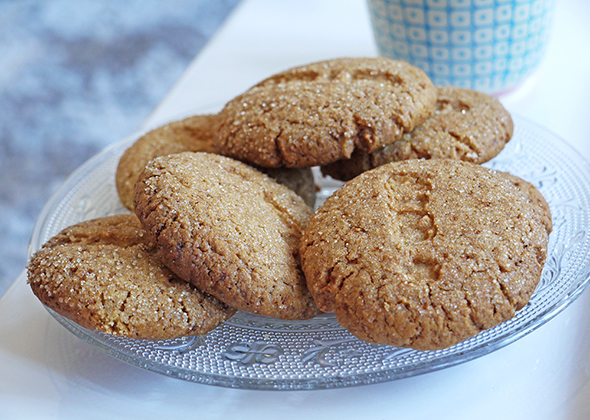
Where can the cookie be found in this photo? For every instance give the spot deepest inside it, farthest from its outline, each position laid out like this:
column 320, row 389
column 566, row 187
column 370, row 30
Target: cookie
column 193, row 134
column 299, row 180
column 537, row 200
column 466, row 125
column 104, row 275
column 229, row 229
column 424, row 253
column 319, row 113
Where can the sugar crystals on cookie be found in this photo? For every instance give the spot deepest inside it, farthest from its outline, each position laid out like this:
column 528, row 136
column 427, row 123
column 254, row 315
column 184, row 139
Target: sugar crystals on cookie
column 229, row 229
column 424, row 253
column 466, row 125
column 104, row 275
column 321, row 112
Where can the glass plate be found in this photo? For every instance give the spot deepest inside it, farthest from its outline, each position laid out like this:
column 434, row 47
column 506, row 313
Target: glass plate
column 255, row 352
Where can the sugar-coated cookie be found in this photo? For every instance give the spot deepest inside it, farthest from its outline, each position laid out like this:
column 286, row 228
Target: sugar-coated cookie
column 466, row 125
column 193, row 134
column 229, row 229
column 319, row 113
column 424, row 253
column 104, row 275
column 537, row 199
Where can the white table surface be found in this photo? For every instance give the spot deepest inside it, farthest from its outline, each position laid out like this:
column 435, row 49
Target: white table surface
column 47, row 373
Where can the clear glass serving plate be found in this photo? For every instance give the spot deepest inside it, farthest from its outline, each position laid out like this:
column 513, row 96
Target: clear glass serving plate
column 255, row 352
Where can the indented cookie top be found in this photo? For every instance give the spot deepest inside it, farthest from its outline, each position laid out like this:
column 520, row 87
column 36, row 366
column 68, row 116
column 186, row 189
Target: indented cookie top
column 322, row 112
column 466, row 125
column 104, row 275
column 193, row 134
column 229, row 229
column 424, row 253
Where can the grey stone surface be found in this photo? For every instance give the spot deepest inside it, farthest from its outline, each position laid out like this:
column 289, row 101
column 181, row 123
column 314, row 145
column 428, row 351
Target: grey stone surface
column 75, row 77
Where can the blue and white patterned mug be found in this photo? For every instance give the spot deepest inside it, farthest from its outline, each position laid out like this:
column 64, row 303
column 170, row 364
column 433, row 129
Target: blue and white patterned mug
column 486, row 45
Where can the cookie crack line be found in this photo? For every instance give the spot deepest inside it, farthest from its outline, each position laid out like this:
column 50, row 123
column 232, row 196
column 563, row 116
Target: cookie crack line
column 309, row 98
column 472, row 313
column 300, row 76
column 465, row 141
column 269, row 198
column 283, row 213
column 124, row 302
column 379, row 75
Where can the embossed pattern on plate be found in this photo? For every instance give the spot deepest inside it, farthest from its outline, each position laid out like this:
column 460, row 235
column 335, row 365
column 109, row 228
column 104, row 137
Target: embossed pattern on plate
column 254, row 352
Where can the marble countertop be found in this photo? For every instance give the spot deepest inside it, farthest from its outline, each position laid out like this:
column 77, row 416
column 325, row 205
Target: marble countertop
column 74, row 78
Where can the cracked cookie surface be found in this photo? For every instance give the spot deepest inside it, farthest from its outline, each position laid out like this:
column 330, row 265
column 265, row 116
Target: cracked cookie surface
column 104, row 275
column 319, row 113
column 228, row 229
column 193, row 134
column 465, row 125
column 424, row 253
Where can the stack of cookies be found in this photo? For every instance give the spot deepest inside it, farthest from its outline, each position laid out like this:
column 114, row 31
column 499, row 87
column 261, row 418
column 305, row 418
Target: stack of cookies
column 421, row 247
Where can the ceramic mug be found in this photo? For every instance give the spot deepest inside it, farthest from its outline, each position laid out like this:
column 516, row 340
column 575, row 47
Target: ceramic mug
column 486, row 45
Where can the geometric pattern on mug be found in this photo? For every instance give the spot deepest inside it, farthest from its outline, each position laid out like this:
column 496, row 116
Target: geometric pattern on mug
column 478, row 44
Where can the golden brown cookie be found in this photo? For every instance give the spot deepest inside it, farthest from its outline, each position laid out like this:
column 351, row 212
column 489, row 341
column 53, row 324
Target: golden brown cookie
column 104, row 275
column 322, row 112
column 466, row 125
column 424, row 253
column 193, row 134
column 299, row 180
column 229, row 229
column 539, row 203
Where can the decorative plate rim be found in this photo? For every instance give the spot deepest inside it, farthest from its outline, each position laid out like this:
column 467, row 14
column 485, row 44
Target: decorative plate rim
column 448, row 357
